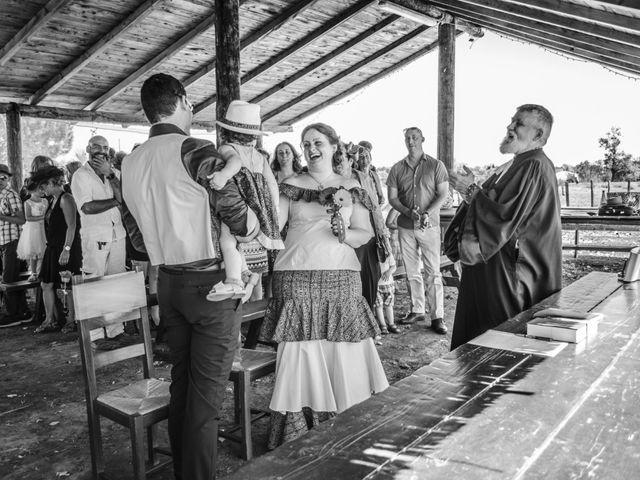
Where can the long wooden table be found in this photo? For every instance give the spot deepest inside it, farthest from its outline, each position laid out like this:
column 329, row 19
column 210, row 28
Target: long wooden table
column 487, row 413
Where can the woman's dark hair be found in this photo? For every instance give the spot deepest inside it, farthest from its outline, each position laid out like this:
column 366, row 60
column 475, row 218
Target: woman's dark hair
column 30, row 185
column 296, row 163
column 236, row 137
column 340, row 155
column 45, row 174
column 159, row 96
column 40, row 161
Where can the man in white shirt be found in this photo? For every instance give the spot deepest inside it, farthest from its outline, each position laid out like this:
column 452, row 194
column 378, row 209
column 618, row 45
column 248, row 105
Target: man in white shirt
column 96, row 189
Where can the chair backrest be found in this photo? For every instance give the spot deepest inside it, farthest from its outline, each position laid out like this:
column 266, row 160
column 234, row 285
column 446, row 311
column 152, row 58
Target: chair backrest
column 103, row 301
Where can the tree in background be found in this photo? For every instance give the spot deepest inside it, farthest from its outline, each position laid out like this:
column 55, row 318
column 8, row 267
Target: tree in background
column 616, row 163
column 39, row 137
column 589, row 171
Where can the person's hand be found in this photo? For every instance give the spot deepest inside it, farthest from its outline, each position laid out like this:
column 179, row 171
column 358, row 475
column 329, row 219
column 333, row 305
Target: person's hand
column 217, row 180
column 387, row 275
column 460, row 181
column 101, row 163
column 64, row 258
column 415, row 215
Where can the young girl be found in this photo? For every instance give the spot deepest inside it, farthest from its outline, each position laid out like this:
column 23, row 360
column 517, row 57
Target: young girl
column 32, row 241
column 386, row 296
column 250, row 169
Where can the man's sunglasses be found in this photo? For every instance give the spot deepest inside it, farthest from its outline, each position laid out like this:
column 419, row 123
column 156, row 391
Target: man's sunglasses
column 4, row 177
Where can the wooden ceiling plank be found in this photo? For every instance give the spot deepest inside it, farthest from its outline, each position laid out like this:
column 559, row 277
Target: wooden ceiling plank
column 582, row 11
column 261, row 69
column 498, row 8
column 252, row 38
column 615, row 49
column 366, row 83
column 32, row 26
column 572, row 51
column 330, row 56
column 68, row 114
column 344, row 73
column 202, row 27
column 96, row 49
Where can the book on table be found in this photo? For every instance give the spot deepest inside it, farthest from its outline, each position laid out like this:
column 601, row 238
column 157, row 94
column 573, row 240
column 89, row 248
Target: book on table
column 564, row 325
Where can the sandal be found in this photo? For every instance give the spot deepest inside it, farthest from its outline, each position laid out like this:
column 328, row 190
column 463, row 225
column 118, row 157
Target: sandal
column 46, row 327
column 225, row 291
column 69, row 327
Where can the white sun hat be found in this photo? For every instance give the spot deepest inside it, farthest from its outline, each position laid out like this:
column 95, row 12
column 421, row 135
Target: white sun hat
column 243, row 117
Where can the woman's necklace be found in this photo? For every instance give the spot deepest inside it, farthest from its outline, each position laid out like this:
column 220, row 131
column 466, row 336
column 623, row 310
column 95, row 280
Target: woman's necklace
column 320, row 183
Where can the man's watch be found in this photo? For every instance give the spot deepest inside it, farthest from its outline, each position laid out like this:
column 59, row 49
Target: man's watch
column 111, row 176
column 67, row 248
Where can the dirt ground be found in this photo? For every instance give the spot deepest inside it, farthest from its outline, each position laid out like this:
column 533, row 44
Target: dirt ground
column 43, row 429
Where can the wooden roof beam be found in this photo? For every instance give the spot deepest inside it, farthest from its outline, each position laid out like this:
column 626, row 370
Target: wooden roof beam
column 580, row 53
column 323, row 30
column 96, row 49
column 344, row 73
column 576, row 38
column 367, row 82
column 252, row 38
column 187, row 38
column 327, row 58
column 430, row 12
column 35, row 24
column 554, row 16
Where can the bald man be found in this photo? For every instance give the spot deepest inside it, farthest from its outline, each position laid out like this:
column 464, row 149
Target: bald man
column 96, row 190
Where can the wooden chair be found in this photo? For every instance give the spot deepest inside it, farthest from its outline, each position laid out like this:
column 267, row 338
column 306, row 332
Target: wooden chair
column 138, row 406
column 254, row 364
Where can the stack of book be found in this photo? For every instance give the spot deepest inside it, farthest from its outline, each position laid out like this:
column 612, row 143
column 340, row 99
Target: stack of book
column 564, row 325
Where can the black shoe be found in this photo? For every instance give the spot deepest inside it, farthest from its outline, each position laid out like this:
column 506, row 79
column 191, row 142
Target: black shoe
column 411, row 318
column 14, row 321
column 393, row 329
column 438, row 326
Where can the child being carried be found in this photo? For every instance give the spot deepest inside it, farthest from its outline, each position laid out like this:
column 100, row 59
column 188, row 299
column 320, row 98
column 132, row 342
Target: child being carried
column 250, row 169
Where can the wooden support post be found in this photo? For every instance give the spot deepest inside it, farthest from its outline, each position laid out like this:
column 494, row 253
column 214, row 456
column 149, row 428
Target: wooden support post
column 227, row 56
column 628, row 186
column 14, row 146
column 576, row 243
column 566, row 188
column 592, row 197
column 608, row 186
column 446, row 92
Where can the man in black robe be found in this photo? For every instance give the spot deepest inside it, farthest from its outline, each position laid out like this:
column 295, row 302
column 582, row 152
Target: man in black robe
column 507, row 233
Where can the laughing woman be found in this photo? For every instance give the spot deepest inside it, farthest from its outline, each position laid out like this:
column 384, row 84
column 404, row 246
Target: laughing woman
column 327, row 360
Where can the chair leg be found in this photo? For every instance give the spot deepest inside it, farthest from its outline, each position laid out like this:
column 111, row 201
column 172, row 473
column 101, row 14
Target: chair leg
column 244, row 392
column 136, row 430
column 95, row 445
column 151, row 453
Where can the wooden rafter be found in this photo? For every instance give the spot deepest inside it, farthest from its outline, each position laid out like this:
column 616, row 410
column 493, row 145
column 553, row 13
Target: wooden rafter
column 340, row 75
column 366, row 83
column 571, row 37
column 581, row 53
column 623, row 3
column 202, row 27
column 313, row 36
column 554, row 17
column 584, row 12
column 96, row 49
column 253, row 37
column 330, row 56
column 37, row 22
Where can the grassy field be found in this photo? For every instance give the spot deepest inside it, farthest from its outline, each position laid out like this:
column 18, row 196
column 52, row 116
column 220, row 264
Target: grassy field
column 580, row 194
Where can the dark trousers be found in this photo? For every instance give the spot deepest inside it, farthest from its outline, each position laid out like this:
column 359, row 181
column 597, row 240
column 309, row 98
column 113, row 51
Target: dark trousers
column 15, row 302
column 202, row 337
column 369, row 271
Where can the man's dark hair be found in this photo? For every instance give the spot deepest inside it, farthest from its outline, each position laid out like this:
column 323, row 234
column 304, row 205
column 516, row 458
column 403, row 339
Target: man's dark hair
column 159, row 96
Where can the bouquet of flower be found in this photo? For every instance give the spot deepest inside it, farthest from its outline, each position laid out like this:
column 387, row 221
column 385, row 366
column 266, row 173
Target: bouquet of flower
column 341, row 198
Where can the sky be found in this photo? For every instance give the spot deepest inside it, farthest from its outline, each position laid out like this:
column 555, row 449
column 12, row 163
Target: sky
column 493, row 76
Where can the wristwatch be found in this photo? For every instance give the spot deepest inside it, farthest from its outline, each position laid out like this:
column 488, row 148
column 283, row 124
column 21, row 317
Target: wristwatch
column 67, row 248
column 111, row 176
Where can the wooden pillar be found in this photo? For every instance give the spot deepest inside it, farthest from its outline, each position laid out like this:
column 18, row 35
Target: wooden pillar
column 446, row 91
column 227, row 56
column 14, row 146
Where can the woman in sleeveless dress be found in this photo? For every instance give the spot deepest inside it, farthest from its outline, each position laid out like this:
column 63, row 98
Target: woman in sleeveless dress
column 64, row 252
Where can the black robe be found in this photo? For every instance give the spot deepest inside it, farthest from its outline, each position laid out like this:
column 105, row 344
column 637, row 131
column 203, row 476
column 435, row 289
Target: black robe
column 509, row 241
